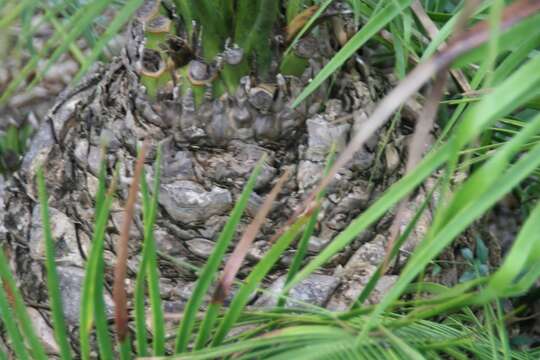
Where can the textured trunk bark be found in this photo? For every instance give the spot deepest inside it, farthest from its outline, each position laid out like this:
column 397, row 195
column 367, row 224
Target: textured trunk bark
column 208, row 153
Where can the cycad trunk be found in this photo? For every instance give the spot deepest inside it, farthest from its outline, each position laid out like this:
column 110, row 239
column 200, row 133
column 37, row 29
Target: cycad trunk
column 208, row 154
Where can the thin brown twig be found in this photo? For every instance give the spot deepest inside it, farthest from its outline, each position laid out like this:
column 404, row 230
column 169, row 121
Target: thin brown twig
column 432, row 32
column 424, row 124
column 417, row 147
column 299, row 21
column 119, row 292
column 467, row 12
column 10, row 295
column 237, row 257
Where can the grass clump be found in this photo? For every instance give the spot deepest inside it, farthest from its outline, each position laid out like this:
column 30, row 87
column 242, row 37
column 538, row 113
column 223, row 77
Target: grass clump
column 490, row 133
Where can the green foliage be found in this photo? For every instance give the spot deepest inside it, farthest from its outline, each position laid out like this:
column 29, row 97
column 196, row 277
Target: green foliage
column 15, row 316
column 59, row 322
column 258, row 35
column 148, row 270
column 10, row 325
column 56, row 45
column 124, row 15
column 211, row 267
column 374, row 25
column 12, row 145
column 302, row 247
column 255, row 277
column 478, row 262
column 292, row 64
column 443, row 323
column 92, row 301
column 247, row 24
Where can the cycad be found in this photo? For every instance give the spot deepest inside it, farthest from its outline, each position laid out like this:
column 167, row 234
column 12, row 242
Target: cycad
column 213, row 87
column 213, row 101
column 225, row 70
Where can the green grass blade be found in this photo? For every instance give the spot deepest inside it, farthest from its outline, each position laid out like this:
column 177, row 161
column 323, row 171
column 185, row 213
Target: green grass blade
column 295, row 334
column 475, row 83
column 77, row 24
column 207, row 325
column 100, row 311
column 233, row 264
column 400, row 67
column 368, row 288
column 432, row 247
column 148, row 270
column 358, row 8
column 258, row 37
column 255, row 277
column 35, row 347
column 214, row 29
column 246, row 11
column 139, row 293
column 212, row 265
column 307, row 26
column 53, row 284
column 506, row 41
column 75, row 51
column 502, row 100
column 102, row 188
column 446, row 31
column 153, row 276
column 103, row 204
column 125, row 349
column 516, row 57
column 494, row 21
column 395, row 193
column 73, row 34
column 526, row 281
column 483, row 178
column 51, row 14
column 521, row 258
column 406, row 349
column 211, row 18
column 303, row 244
column 487, row 327
column 13, row 14
column 25, row 40
column 294, row 7
column 97, row 267
column 373, row 26
column 477, row 118
column 184, row 9
column 92, row 306
column 501, row 329
column 89, row 34
column 8, row 321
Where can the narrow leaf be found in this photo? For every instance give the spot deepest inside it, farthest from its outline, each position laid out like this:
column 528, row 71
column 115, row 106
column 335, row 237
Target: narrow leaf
column 207, row 274
column 303, row 244
column 8, row 319
column 53, row 283
column 256, row 276
column 92, row 292
column 148, row 268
